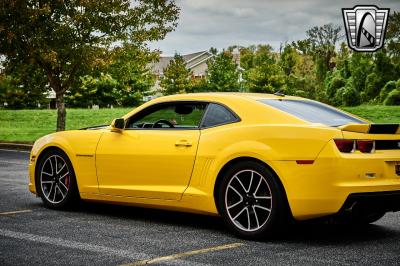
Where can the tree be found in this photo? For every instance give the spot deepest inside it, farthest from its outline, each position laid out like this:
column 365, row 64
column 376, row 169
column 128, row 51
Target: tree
column 324, row 37
column 266, row 75
column 372, row 86
column 94, row 91
column 11, row 95
column 391, row 85
column 247, row 57
column 299, row 72
column 26, row 87
column 199, row 85
column 360, row 66
column 393, row 98
column 333, row 83
column 130, row 66
column 121, row 79
column 393, row 36
column 176, row 77
column 343, row 61
column 303, row 46
column 65, row 37
column 349, row 96
column 384, row 68
column 213, row 50
column 222, row 73
column 323, row 40
column 289, row 59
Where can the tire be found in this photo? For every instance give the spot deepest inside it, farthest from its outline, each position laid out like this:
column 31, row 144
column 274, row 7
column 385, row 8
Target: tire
column 55, row 180
column 255, row 207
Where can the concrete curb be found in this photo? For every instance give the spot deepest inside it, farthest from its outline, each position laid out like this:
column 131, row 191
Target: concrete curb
column 15, row 146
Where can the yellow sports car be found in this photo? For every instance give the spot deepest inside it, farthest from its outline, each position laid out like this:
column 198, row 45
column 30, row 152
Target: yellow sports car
column 255, row 159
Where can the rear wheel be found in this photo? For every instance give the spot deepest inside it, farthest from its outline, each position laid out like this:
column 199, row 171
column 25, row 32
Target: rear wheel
column 55, row 180
column 251, row 201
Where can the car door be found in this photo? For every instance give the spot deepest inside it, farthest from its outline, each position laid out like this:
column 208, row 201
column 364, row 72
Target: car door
column 153, row 156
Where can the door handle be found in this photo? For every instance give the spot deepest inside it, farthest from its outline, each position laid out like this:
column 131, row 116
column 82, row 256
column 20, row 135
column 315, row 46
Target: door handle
column 183, row 143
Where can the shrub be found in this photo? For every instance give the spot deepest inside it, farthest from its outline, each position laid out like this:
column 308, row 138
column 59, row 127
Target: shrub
column 363, row 97
column 389, row 86
column 372, row 86
column 300, row 93
column 335, row 84
column 393, row 98
column 350, row 96
column 338, row 99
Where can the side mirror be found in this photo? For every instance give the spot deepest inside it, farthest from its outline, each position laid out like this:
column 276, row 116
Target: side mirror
column 117, row 125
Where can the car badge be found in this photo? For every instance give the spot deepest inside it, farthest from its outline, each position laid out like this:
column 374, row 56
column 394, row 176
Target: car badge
column 365, row 27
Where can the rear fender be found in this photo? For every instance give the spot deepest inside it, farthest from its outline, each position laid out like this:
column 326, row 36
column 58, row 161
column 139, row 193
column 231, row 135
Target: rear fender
column 269, row 144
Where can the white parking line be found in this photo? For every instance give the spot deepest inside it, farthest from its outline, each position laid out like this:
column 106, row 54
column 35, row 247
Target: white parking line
column 74, row 244
column 11, row 162
column 176, row 256
column 14, row 212
column 15, row 150
column 136, row 256
column 19, row 181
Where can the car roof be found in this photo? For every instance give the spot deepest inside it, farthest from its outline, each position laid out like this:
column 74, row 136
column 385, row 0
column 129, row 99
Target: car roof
column 226, row 95
column 245, row 105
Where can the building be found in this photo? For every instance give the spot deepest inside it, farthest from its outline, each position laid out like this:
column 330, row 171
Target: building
column 51, row 97
column 195, row 62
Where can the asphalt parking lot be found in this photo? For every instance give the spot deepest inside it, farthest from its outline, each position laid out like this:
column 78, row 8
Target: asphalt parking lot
column 113, row 235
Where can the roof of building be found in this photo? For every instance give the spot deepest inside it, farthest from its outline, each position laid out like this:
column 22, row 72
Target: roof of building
column 191, row 60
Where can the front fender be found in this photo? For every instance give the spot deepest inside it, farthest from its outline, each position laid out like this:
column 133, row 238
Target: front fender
column 80, row 147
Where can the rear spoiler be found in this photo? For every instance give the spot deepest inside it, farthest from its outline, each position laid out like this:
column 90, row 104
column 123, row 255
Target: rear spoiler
column 372, row 128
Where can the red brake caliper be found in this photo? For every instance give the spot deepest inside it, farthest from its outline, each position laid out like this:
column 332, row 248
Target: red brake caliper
column 66, row 181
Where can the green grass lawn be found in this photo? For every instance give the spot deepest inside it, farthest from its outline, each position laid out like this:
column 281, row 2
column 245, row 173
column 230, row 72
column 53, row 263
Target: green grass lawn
column 28, row 125
column 377, row 113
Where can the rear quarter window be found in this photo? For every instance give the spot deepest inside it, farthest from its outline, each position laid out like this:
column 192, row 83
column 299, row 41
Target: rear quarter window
column 217, row 114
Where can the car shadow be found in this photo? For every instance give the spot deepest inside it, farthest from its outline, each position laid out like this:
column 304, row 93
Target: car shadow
column 313, row 232
column 319, row 233
column 155, row 216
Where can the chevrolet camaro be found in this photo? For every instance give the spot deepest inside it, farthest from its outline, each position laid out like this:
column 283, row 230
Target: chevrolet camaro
column 257, row 160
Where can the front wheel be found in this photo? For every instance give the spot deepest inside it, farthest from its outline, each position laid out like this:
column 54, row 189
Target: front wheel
column 251, row 201
column 55, row 180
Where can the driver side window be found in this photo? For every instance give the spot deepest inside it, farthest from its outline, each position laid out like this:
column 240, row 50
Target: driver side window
column 181, row 115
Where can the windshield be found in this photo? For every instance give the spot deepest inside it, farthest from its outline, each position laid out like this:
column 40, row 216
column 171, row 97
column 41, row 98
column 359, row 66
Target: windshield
column 313, row 112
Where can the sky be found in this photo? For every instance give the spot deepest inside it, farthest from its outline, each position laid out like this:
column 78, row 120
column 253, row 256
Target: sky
column 221, row 23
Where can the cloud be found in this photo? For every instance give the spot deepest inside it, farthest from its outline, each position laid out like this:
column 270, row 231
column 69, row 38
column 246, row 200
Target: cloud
column 220, row 23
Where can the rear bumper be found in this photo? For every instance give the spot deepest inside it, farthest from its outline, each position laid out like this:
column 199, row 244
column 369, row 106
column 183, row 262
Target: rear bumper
column 335, row 180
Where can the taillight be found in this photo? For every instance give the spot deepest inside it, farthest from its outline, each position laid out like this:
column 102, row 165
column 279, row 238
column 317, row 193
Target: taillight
column 366, row 146
column 349, row 145
column 345, row 145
